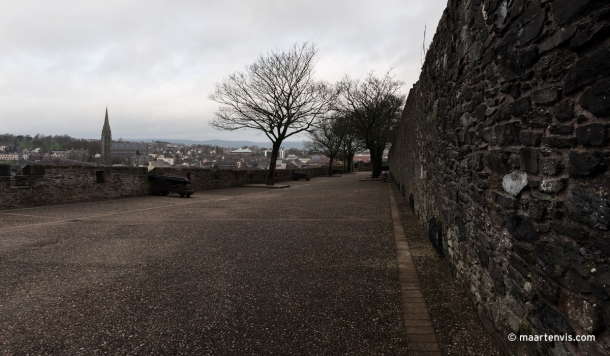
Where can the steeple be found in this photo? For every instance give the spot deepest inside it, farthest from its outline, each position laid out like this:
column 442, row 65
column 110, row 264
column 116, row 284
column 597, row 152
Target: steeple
column 106, row 140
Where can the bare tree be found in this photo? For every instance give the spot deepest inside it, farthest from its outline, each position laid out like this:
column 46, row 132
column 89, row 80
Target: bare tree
column 277, row 95
column 349, row 141
column 326, row 138
column 374, row 107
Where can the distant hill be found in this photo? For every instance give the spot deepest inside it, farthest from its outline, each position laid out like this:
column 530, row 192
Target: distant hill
column 232, row 144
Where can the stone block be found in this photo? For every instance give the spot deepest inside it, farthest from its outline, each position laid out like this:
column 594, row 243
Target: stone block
column 521, row 227
column 564, row 111
column 479, row 112
column 528, row 56
column 597, row 98
column 559, row 142
column 549, row 165
column 553, row 185
column 587, row 70
column 5, row 170
column 602, row 242
column 503, row 201
column 529, row 138
column 33, row 170
column 532, row 29
column 529, row 160
column 535, row 210
column 584, row 39
column 561, row 129
column 545, row 96
column 572, row 231
column 466, row 121
column 520, row 107
column 558, row 38
column 513, row 183
column 583, row 205
column 567, row 10
column 580, row 312
column 591, row 135
column 602, row 277
column 497, row 162
column 507, row 134
column 585, row 163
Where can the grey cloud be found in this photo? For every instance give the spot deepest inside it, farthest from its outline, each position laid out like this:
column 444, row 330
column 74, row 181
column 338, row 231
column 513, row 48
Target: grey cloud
column 154, row 63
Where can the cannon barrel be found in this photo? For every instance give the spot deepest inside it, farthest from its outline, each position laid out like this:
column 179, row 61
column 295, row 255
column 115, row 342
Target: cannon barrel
column 168, row 179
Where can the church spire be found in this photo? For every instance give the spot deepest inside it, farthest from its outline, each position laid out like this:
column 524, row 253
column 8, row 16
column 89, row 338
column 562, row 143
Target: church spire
column 106, row 140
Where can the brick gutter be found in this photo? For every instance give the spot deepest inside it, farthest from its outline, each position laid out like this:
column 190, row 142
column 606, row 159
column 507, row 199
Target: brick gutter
column 421, row 339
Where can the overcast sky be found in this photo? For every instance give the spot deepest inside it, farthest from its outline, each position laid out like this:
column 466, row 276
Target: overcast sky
column 154, row 63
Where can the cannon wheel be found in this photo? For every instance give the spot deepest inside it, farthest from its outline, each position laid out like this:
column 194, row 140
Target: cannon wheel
column 188, row 195
column 182, row 195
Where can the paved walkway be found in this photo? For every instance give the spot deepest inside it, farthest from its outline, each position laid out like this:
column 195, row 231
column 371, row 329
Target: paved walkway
column 308, row 270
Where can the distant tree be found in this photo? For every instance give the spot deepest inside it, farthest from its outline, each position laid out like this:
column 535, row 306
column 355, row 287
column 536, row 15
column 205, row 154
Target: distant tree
column 350, row 143
column 325, row 138
column 277, row 95
column 374, row 107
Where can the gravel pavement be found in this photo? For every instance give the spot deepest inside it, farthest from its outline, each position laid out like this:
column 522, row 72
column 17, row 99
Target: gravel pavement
column 308, row 270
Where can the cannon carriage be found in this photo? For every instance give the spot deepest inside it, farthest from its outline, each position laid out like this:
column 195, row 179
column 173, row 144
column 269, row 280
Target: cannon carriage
column 163, row 185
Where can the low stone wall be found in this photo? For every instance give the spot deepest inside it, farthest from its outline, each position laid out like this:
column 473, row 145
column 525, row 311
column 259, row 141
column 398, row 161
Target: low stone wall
column 43, row 185
column 503, row 154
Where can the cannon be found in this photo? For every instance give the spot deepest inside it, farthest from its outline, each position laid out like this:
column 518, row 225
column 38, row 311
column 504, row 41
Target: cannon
column 163, row 185
column 299, row 175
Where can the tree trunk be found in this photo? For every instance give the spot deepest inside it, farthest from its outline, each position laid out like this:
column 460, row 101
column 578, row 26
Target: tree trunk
column 330, row 167
column 350, row 163
column 274, row 152
column 377, row 163
column 374, row 171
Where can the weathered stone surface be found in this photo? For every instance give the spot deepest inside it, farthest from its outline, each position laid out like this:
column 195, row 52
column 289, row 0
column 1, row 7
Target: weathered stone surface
column 591, row 135
column 545, row 96
column 588, row 70
column 558, row 38
column 567, row 10
column 504, row 201
column 520, row 107
column 570, row 230
column 584, row 163
column 507, row 134
column 466, row 121
column 597, row 33
column 561, row 129
column 528, row 56
column 580, row 312
column 479, row 112
column 559, row 142
column 564, row 111
column 553, row 185
column 521, row 227
column 597, row 98
column 583, row 205
column 529, row 138
column 496, row 162
column 538, row 107
column 602, row 242
column 529, row 160
column 513, row 183
column 532, row 29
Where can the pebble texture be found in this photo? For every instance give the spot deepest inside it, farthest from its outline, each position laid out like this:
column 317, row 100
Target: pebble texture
column 517, row 89
column 308, row 270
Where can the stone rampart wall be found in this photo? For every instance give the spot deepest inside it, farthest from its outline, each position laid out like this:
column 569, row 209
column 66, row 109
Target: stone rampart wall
column 503, row 154
column 43, row 185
